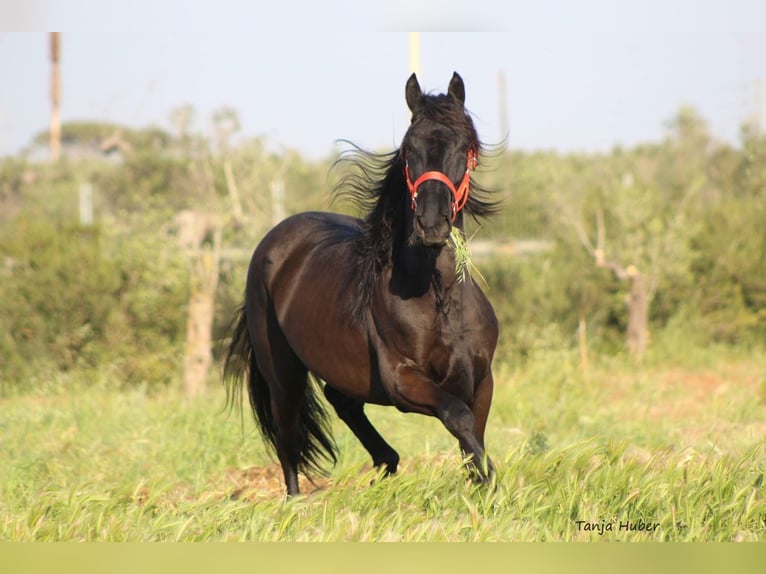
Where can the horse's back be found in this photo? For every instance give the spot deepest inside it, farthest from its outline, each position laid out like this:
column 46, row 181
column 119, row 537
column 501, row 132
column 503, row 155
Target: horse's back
column 301, row 275
column 303, row 233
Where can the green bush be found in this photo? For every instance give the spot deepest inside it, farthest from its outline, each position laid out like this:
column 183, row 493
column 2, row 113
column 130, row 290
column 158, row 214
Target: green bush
column 75, row 297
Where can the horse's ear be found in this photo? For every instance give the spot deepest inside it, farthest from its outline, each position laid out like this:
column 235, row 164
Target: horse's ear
column 456, row 88
column 413, row 93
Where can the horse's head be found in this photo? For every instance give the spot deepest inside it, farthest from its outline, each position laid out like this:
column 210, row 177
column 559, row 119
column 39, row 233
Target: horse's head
column 439, row 151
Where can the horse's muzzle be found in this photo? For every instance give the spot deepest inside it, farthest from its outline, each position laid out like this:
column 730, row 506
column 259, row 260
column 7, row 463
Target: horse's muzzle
column 432, row 235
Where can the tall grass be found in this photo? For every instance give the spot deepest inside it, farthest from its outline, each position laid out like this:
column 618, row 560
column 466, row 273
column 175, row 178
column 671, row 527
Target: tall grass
column 678, row 451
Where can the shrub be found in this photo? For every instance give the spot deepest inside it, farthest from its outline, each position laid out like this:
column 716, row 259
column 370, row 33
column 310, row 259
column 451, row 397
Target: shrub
column 76, row 297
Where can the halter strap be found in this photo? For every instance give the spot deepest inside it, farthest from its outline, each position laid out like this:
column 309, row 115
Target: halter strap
column 459, row 194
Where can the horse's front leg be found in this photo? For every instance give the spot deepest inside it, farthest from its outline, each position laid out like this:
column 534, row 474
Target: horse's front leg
column 482, row 400
column 414, row 392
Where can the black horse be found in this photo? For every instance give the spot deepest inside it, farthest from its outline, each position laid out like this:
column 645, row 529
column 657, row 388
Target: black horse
column 373, row 307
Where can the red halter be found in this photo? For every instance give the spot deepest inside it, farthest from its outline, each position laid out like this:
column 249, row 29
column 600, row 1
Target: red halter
column 459, row 194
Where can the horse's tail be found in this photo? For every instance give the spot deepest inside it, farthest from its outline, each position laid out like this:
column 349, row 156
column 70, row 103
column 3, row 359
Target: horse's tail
column 316, row 442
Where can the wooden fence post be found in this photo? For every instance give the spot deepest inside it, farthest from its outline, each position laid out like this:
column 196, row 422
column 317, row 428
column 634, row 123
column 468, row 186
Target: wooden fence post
column 200, row 236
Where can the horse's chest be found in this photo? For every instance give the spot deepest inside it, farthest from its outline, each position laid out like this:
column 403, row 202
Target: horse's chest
column 444, row 342
column 450, row 362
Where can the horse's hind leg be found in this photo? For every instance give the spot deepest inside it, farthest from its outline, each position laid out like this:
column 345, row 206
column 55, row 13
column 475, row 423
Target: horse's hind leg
column 351, row 412
column 286, row 409
column 286, row 377
column 286, row 400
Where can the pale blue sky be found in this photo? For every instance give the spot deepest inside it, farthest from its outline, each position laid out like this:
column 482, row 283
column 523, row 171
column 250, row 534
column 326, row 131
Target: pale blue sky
column 581, row 75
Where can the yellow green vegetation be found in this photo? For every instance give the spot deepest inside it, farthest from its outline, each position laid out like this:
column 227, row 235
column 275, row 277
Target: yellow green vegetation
column 579, row 458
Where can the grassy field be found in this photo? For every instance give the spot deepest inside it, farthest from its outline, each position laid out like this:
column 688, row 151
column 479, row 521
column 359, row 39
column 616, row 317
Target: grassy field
column 652, row 453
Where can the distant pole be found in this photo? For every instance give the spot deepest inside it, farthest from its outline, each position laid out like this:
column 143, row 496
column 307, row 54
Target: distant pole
column 55, row 139
column 86, row 204
column 583, row 336
column 278, row 211
column 413, row 41
column 502, row 97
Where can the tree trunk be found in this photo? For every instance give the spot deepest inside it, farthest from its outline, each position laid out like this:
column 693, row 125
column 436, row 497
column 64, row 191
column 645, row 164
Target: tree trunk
column 199, row 326
column 638, row 315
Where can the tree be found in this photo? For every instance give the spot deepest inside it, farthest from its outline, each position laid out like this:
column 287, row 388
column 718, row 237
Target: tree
column 729, row 304
column 630, row 213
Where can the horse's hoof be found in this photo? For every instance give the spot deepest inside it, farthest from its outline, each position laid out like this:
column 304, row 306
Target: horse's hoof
column 384, row 471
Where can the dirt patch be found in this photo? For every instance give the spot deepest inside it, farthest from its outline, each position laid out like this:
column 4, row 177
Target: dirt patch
column 259, row 482
column 691, row 392
column 701, row 385
column 683, row 393
column 266, row 482
column 710, row 409
column 255, row 483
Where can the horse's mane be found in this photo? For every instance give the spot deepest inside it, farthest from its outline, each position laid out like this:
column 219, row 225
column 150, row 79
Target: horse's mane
column 375, row 184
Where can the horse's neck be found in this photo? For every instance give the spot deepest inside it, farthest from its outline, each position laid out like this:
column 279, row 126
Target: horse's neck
column 418, row 270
